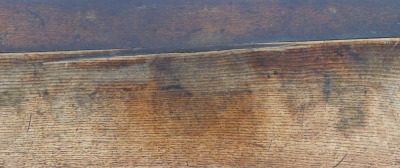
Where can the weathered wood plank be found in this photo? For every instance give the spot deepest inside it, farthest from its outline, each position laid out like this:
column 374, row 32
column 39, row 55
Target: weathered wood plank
column 291, row 104
column 49, row 25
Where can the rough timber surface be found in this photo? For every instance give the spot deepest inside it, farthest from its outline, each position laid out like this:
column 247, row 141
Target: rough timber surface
column 51, row 25
column 304, row 104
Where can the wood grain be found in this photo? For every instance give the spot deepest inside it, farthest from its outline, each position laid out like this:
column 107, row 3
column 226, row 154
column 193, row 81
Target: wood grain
column 59, row 25
column 303, row 104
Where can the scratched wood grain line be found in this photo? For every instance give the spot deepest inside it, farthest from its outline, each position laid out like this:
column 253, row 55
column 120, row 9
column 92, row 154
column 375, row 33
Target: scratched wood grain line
column 303, row 104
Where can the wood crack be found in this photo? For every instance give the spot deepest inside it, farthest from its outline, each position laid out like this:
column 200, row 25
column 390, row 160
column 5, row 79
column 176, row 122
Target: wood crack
column 341, row 160
column 30, row 120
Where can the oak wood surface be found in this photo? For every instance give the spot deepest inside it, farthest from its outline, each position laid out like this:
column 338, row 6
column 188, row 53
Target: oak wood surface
column 304, row 104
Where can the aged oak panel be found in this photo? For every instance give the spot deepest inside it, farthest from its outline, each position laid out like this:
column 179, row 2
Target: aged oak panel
column 300, row 104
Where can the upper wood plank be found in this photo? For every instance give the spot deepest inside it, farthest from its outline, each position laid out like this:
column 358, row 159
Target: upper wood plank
column 51, row 25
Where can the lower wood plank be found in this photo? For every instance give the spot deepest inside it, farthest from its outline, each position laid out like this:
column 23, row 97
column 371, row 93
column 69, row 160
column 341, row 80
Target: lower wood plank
column 321, row 104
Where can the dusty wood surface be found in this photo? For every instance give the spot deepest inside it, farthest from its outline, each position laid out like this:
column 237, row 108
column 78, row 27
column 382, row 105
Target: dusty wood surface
column 50, row 25
column 321, row 104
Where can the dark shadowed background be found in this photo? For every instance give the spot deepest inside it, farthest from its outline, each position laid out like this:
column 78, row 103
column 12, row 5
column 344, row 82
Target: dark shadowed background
column 52, row 25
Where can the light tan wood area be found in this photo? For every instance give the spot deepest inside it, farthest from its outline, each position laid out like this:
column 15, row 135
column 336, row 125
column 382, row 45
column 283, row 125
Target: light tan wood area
column 321, row 104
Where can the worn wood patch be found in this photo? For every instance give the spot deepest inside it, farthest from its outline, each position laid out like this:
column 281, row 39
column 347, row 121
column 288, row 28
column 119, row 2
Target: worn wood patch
column 322, row 104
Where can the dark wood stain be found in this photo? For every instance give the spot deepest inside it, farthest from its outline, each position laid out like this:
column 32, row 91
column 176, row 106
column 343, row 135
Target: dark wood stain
column 327, row 87
column 352, row 117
